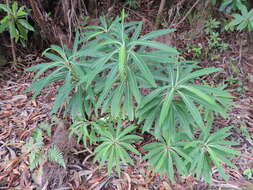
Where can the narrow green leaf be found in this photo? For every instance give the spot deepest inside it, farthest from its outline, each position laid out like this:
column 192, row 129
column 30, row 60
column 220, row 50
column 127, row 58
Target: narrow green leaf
column 144, row 69
column 155, row 45
column 13, row 31
column 25, row 24
column 126, row 131
column 149, row 121
column 151, row 96
column 163, row 158
column 197, row 74
column 220, row 134
column 98, row 67
column 76, row 43
column 111, row 78
column 134, row 86
column 171, row 169
column 225, row 149
column 180, row 165
column 128, row 105
column 207, row 170
column 200, row 165
column 217, row 163
column 111, row 159
column 14, row 7
column 63, row 93
column 199, row 93
column 129, row 147
column 58, row 50
column 5, row 8
column 116, row 101
column 156, row 33
column 3, row 26
column 193, row 110
column 124, row 156
column 166, row 106
column 137, row 32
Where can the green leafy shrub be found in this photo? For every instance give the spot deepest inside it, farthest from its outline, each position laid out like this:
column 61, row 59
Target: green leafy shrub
column 73, row 71
column 175, row 102
column 104, row 74
column 122, row 60
column 215, row 43
column 195, row 156
column 243, row 21
column 196, row 50
column 231, row 5
column 15, row 22
column 115, row 144
column 211, row 25
column 165, row 154
column 208, row 150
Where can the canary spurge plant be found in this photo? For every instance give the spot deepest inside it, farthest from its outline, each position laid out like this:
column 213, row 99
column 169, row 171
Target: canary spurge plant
column 105, row 74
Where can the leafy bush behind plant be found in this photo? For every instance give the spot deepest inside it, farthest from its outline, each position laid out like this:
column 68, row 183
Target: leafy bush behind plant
column 104, row 74
column 243, row 21
column 229, row 6
column 15, row 22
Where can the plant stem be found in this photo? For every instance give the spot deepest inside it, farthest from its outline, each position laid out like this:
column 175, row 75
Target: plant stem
column 12, row 41
column 159, row 14
column 13, row 51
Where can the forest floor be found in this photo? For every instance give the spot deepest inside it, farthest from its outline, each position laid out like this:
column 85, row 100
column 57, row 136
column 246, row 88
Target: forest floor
column 20, row 115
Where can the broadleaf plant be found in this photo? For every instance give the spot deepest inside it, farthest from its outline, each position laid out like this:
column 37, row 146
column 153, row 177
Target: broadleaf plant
column 104, row 77
column 15, row 22
column 232, row 5
column 243, row 21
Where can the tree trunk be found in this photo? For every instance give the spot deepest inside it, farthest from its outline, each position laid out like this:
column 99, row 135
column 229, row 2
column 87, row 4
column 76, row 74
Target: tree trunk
column 49, row 29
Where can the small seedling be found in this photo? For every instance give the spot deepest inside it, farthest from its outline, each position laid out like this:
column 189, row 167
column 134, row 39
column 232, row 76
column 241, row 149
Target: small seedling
column 211, row 25
column 196, row 50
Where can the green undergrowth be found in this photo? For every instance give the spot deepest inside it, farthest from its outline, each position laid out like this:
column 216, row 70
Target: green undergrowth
column 105, row 74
